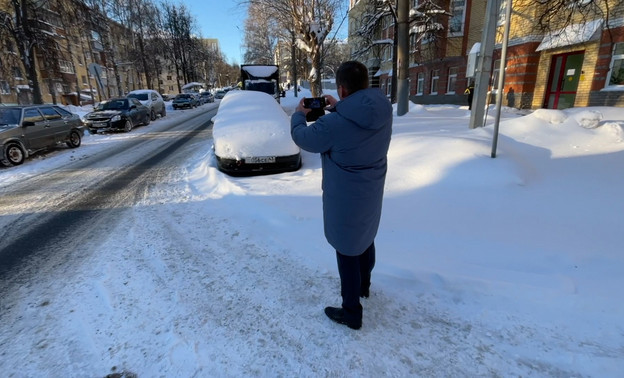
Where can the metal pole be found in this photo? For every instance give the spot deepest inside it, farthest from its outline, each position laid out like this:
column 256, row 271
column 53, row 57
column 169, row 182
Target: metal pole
column 484, row 64
column 403, row 57
column 501, row 76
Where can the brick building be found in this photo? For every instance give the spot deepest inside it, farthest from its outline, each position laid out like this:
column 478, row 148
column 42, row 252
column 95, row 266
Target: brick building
column 578, row 62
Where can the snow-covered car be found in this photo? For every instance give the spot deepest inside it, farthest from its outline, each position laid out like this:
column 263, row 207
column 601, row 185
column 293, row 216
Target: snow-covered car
column 152, row 99
column 251, row 135
column 117, row 114
column 25, row 130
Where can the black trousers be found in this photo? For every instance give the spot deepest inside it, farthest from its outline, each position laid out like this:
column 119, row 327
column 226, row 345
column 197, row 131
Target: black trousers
column 355, row 276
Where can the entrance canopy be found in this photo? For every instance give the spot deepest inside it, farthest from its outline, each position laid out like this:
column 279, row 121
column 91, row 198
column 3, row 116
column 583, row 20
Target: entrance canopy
column 571, row 35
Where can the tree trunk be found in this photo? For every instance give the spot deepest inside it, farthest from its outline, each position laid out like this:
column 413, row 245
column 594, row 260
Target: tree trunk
column 316, row 86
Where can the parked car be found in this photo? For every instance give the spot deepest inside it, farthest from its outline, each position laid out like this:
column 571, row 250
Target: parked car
column 117, row 114
column 201, row 100
column 207, row 96
column 219, row 95
column 152, row 99
column 185, row 100
column 25, row 130
column 257, row 144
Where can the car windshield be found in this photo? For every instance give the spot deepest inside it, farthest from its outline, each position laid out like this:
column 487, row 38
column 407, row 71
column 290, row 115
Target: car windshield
column 113, row 105
column 138, row 96
column 9, row 116
column 183, row 96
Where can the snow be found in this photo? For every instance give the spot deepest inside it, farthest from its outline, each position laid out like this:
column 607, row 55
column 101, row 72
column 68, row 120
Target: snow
column 570, row 35
column 251, row 123
column 260, row 70
column 485, row 267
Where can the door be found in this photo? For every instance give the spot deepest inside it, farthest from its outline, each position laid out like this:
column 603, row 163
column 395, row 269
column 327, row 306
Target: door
column 37, row 131
column 59, row 127
column 565, row 73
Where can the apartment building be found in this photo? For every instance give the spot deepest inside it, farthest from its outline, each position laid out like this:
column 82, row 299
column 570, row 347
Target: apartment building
column 577, row 61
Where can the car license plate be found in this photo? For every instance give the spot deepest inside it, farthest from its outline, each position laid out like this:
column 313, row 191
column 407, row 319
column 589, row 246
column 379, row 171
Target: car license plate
column 100, row 124
column 260, row 159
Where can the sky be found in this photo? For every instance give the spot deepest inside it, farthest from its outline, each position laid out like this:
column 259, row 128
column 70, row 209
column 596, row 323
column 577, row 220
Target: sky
column 225, row 20
column 505, row 267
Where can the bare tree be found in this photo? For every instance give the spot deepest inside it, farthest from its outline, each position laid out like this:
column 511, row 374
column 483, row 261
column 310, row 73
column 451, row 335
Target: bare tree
column 426, row 24
column 261, row 35
column 26, row 31
column 310, row 22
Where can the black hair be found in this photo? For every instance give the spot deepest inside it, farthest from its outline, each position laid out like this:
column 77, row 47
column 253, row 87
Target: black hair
column 353, row 76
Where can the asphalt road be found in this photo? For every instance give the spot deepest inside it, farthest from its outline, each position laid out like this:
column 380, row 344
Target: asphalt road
column 45, row 218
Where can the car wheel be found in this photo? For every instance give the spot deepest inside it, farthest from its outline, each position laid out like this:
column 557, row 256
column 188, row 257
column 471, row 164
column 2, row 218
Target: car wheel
column 163, row 113
column 152, row 115
column 147, row 120
column 74, row 139
column 14, row 154
column 128, row 126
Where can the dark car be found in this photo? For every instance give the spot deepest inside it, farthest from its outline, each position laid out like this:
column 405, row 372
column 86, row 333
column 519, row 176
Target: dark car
column 25, row 130
column 185, row 100
column 207, row 96
column 117, row 114
column 220, row 94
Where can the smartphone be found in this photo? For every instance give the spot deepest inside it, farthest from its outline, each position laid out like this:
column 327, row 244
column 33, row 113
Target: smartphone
column 314, row 103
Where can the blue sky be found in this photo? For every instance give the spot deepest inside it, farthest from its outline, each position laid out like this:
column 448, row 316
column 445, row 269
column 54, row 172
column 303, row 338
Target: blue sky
column 225, row 20
column 221, row 19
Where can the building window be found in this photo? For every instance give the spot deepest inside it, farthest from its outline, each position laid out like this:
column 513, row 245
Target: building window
column 66, row 66
column 435, row 77
column 84, row 80
column 458, row 12
column 5, row 89
column 169, row 77
column 420, row 84
column 616, row 71
column 452, row 80
column 495, row 73
column 502, row 12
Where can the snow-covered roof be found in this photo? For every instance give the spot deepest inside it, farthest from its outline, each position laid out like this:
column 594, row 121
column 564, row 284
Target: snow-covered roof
column 260, row 71
column 193, row 84
column 570, row 35
column 138, row 91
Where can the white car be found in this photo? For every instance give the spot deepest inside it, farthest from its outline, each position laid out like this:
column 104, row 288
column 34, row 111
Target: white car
column 251, row 135
column 152, row 99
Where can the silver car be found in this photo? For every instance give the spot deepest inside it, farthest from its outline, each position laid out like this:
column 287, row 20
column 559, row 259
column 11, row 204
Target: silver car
column 152, row 99
column 25, row 130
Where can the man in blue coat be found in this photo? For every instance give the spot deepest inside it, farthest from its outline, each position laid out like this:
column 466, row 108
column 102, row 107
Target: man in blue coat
column 353, row 141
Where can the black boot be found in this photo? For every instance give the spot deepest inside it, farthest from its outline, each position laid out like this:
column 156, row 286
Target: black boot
column 340, row 316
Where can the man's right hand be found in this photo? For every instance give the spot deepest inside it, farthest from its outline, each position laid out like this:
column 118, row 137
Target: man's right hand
column 331, row 101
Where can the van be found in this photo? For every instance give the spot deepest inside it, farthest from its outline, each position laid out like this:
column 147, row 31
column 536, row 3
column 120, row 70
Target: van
column 152, row 99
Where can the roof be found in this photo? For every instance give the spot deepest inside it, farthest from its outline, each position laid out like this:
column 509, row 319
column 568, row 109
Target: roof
column 570, row 35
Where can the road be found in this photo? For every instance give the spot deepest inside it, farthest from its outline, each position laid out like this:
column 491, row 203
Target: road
column 46, row 216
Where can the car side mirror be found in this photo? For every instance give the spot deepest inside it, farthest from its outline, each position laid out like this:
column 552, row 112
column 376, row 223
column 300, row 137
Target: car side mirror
column 132, row 106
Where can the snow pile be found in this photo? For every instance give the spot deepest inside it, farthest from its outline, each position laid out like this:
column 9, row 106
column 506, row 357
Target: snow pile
column 485, row 267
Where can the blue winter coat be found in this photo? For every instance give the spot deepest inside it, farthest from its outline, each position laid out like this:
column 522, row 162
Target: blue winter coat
column 353, row 142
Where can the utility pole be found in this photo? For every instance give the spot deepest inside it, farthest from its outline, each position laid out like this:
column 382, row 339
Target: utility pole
column 403, row 57
column 484, row 64
column 501, row 76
